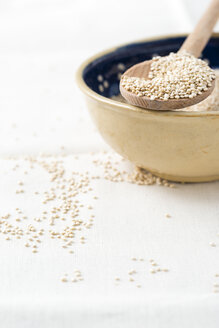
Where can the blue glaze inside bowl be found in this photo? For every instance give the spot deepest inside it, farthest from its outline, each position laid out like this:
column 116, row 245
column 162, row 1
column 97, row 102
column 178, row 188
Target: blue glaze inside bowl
column 103, row 74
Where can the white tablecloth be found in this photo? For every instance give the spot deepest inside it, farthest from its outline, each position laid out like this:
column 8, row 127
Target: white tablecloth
column 42, row 111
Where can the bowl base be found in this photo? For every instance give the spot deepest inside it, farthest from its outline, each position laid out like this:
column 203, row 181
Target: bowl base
column 182, row 179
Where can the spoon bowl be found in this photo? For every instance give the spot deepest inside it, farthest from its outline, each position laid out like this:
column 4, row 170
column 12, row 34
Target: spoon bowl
column 142, row 70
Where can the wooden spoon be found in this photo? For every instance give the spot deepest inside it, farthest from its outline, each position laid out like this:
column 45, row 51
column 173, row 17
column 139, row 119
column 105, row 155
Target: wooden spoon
column 194, row 44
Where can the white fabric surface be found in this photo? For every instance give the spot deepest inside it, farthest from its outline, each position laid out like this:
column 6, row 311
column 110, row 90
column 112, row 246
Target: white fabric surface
column 42, row 43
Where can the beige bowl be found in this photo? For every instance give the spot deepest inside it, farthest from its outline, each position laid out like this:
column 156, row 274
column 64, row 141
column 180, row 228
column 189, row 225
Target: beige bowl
column 178, row 146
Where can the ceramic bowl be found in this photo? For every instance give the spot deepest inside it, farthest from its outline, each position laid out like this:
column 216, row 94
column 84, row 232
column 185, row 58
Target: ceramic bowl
column 178, row 146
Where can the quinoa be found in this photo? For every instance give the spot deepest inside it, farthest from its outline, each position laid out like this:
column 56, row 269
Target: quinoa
column 178, row 75
column 211, row 103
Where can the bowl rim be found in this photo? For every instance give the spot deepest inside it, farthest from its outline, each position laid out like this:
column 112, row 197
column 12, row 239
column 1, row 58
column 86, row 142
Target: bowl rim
column 119, row 106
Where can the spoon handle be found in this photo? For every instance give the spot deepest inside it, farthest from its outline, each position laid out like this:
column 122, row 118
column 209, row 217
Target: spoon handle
column 196, row 41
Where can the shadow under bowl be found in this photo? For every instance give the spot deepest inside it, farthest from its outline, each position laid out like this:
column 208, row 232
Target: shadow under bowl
column 178, row 146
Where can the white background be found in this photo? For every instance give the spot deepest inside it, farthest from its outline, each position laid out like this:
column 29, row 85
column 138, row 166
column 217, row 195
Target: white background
column 42, row 42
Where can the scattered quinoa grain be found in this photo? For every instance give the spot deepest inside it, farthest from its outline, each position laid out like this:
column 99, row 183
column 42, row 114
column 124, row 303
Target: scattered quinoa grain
column 64, row 279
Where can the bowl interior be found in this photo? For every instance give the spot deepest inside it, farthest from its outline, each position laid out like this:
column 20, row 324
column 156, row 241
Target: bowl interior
column 103, row 74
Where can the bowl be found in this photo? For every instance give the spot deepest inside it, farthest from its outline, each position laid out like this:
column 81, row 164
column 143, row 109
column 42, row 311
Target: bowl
column 178, row 146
